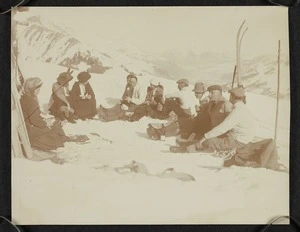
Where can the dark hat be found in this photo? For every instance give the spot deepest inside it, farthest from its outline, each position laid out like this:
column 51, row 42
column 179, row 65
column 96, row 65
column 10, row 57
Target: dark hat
column 199, row 87
column 238, row 92
column 214, row 87
column 83, row 76
column 185, row 81
column 64, row 78
column 131, row 76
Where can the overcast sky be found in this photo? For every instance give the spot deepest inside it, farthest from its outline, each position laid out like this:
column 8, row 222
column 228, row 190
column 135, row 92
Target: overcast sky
column 178, row 28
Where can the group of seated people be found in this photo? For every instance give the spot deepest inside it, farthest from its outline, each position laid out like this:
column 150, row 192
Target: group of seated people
column 209, row 124
column 64, row 105
column 202, row 124
column 77, row 103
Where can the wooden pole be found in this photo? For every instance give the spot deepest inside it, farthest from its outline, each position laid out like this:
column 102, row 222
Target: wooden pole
column 278, row 92
column 233, row 77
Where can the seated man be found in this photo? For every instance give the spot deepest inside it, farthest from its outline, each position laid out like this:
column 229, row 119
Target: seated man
column 183, row 104
column 237, row 130
column 201, row 122
column 213, row 110
column 218, row 107
column 153, row 105
column 187, row 100
column 133, row 96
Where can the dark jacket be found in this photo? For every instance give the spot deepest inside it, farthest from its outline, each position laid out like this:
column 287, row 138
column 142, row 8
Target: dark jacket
column 218, row 111
column 40, row 135
column 84, row 108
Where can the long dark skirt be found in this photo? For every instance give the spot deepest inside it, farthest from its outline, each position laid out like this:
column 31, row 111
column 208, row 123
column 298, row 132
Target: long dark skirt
column 46, row 139
column 56, row 109
column 85, row 108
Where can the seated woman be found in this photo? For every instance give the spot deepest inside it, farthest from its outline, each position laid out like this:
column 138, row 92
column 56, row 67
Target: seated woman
column 132, row 97
column 60, row 104
column 83, row 97
column 41, row 136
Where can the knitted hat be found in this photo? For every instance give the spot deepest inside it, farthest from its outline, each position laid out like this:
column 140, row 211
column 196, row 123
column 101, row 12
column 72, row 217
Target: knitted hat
column 32, row 84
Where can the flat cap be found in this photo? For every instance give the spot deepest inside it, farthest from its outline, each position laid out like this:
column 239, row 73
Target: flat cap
column 238, row 92
column 214, row 87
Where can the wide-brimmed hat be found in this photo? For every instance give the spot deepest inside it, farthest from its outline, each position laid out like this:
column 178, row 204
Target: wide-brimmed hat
column 238, row 92
column 64, row 77
column 199, row 87
column 31, row 84
column 185, row 81
column 83, row 76
column 215, row 87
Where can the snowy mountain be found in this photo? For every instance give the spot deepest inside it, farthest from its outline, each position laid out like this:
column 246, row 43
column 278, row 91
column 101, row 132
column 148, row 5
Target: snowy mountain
column 47, row 42
column 43, row 41
column 260, row 76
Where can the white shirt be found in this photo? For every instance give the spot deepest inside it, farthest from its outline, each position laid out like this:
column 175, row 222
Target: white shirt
column 66, row 91
column 139, row 95
column 187, row 98
column 240, row 124
column 82, row 90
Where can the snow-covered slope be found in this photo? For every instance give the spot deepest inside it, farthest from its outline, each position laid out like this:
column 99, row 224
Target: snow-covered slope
column 88, row 181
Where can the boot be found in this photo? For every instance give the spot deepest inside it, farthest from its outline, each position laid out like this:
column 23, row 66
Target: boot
column 101, row 111
column 172, row 129
column 186, row 142
column 153, row 133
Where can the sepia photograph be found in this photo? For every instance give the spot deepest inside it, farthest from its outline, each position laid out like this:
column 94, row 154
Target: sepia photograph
column 149, row 115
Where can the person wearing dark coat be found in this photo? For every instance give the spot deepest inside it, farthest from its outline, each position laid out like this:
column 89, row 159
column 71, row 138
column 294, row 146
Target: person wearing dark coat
column 41, row 136
column 60, row 104
column 211, row 111
column 83, row 97
column 237, row 130
column 153, row 105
